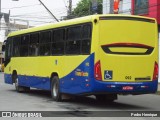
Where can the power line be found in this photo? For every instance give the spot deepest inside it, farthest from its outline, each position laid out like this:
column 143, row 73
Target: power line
column 49, row 11
column 32, row 17
column 56, row 10
column 35, row 16
column 65, row 5
column 37, row 21
column 22, row 6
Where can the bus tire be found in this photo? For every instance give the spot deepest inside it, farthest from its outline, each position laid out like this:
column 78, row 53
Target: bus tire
column 20, row 88
column 55, row 89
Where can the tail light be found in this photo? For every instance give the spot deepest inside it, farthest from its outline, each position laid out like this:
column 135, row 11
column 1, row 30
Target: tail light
column 97, row 71
column 155, row 73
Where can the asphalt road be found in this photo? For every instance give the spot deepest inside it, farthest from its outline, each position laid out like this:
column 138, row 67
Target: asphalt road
column 39, row 100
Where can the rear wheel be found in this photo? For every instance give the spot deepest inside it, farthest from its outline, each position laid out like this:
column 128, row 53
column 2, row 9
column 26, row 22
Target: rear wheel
column 55, row 90
column 18, row 87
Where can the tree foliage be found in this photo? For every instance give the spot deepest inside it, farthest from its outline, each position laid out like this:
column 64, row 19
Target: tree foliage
column 84, row 8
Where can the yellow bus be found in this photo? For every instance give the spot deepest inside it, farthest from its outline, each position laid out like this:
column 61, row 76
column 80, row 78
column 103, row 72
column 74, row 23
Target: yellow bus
column 101, row 55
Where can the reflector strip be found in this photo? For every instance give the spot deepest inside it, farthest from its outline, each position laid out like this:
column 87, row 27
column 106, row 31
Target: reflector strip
column 106, row 48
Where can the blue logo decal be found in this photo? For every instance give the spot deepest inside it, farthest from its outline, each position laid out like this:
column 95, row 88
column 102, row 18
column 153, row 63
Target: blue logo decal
column 108, row 74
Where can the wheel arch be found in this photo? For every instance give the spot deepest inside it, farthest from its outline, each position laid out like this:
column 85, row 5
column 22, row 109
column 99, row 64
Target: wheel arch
column 14, row 74
column 52, row 75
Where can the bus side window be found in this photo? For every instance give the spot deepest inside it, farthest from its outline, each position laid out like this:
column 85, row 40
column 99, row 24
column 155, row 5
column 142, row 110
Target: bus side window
column 4, row 45
column 24, row 45
column 45, row 43
column 86, row 39
column 58, row 42
column 16, row 46
column 73, row 42
column 8, row 51
column 34, row 44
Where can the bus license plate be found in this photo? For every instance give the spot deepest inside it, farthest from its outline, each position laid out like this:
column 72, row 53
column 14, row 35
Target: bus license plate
column 127, row 88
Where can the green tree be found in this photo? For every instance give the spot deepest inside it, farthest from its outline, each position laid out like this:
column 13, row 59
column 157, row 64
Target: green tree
column 84, row 8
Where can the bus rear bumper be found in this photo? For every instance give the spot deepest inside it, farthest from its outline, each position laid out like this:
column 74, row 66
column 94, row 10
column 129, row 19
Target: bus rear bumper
column 126, row 87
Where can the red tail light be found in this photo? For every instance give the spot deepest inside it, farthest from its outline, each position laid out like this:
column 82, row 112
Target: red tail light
column 155, row 73
column 97, row 71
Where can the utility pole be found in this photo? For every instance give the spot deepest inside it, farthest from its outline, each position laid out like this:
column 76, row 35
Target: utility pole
column 49, row 11
column 70, row 8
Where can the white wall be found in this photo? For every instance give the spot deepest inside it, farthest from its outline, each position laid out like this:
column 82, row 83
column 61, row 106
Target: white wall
column 105, row 6
column 125, row 6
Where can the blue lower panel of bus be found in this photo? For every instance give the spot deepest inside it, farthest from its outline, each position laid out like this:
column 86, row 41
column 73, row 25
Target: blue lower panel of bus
column 8, row 78
column 30, row 81
column 86, row 86
column 74, row 86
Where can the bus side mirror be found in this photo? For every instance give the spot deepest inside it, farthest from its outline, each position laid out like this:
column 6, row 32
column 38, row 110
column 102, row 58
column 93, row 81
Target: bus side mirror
column 3, row 48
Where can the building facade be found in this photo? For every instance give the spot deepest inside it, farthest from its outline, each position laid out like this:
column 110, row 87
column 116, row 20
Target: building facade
column 124, row 7
column 149, row 8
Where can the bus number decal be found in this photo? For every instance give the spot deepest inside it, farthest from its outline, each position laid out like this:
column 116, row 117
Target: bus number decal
column 128, row 77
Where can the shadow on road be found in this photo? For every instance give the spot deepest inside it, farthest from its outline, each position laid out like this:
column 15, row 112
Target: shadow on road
column 83, row 101
column 92, row 102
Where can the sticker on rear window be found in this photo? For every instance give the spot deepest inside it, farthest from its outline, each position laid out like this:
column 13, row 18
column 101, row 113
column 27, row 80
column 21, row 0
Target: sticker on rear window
column 108, row 74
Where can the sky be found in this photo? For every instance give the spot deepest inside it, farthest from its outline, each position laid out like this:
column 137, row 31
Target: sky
column 33, row 11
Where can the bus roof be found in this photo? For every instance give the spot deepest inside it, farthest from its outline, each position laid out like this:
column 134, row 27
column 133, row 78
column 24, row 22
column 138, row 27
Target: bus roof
column 67, row 23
